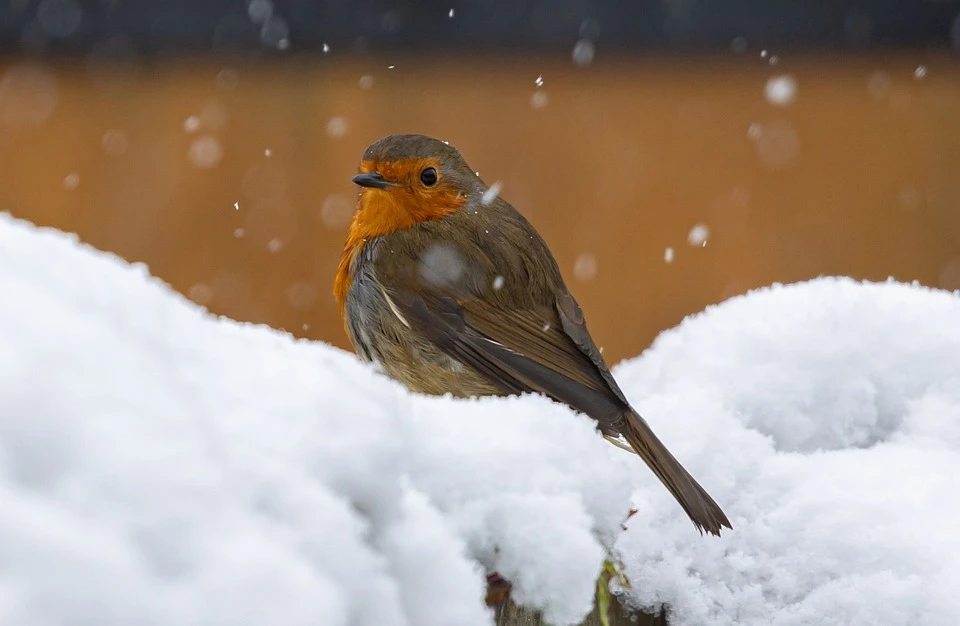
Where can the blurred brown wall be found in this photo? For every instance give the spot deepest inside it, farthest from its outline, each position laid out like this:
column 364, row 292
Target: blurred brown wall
column 614, row 163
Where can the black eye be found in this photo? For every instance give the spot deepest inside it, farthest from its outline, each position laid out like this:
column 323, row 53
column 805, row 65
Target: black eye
column 429, row 177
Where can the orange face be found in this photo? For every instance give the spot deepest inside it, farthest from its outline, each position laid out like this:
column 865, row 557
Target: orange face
column 413, row 191
column 396, row 195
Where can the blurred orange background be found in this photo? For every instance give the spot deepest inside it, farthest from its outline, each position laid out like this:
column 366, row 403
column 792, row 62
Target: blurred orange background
column 662, row 184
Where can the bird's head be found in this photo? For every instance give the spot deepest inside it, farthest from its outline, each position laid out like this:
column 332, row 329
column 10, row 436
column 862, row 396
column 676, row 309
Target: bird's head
column 405, row 180
column 408, row 179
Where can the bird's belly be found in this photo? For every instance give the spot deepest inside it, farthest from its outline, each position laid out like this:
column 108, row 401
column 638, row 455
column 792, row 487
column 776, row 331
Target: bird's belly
column 421, row 367
column 408, row 357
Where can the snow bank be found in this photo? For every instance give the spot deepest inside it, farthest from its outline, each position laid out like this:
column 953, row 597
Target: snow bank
column 825, row 417
column 162, row 467
column 159, row 466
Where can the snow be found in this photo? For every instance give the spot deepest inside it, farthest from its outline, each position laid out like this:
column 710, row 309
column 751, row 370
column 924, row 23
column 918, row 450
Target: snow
column 492, row 193
column 161, row 466
column 825, row 418
column 698, row 235
column 781, row 90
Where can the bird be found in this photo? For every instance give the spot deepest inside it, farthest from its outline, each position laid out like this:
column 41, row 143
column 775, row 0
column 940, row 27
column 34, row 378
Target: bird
column 450, row 290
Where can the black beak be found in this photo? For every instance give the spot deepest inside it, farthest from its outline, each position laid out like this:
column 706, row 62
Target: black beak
column 374, row 180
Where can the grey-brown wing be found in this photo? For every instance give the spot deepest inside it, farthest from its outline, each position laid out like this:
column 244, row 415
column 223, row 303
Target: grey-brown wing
column 575, row 327
column 519, row 351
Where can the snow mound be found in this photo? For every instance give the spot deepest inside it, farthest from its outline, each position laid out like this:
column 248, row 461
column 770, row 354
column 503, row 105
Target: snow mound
column 825, row 419
column 159, row 466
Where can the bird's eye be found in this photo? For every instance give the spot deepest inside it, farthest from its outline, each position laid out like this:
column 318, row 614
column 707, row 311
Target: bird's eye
column 429, row 177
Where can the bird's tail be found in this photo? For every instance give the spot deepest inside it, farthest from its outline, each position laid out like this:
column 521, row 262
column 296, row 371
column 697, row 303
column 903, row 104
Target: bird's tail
column 703, row 511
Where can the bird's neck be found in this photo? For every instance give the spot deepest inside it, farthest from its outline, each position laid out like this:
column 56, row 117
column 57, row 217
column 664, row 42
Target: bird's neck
column 380, row 214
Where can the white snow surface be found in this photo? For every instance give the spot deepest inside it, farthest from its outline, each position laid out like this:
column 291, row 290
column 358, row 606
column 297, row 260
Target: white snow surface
column 160, row 466
column 825, row 418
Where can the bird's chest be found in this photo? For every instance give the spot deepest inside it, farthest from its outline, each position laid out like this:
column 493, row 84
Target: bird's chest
column 380, row 334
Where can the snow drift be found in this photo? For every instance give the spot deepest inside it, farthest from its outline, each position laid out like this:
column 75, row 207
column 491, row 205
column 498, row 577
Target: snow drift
column 825, row 417
column 161, row 466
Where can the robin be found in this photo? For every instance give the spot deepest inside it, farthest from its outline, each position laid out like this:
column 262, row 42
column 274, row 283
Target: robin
column 450, row 290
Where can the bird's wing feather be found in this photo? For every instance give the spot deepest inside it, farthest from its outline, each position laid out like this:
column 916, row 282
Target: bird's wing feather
column 519, row 350
column 575, row 327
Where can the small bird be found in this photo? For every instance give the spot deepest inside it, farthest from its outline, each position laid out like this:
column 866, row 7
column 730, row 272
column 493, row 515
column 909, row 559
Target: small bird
column 451, row 290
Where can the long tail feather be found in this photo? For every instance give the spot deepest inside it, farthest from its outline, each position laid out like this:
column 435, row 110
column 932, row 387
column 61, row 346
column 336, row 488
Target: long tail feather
column 703, row 511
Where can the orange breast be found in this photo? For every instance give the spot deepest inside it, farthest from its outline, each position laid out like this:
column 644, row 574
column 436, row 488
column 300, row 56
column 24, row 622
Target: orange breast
column 384, row 211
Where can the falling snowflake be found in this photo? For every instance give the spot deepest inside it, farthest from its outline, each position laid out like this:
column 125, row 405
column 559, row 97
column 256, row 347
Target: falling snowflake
column 781, row 90
column 698, row 235
column 585, row 267
column 583, row 53
column 491, row 194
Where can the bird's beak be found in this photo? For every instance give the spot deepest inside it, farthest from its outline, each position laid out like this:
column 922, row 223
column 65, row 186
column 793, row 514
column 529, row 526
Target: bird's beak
column 373, row 180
